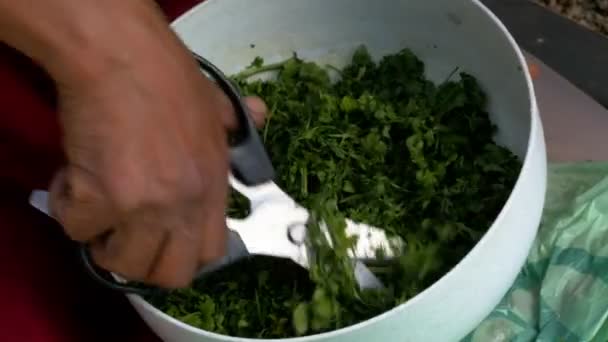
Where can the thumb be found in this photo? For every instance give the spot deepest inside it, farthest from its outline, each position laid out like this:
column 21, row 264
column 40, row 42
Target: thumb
column 76, row 200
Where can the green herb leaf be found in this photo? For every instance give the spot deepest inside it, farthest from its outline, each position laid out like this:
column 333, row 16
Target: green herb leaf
column 300, row 318
column 382, row 145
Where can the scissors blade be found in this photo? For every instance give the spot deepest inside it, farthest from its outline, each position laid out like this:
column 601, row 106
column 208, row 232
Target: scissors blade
column 235, row 250
column 261, row 194
column 365, row 278
column 39, row 199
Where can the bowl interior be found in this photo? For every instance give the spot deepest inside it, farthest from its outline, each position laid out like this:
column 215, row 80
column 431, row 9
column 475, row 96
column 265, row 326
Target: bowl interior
column 440, row 32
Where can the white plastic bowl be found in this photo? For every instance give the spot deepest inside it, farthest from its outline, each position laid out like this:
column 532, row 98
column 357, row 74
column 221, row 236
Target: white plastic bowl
column 445, row 34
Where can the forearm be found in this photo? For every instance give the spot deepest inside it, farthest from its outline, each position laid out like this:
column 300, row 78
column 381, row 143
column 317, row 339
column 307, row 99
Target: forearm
column 79, row 39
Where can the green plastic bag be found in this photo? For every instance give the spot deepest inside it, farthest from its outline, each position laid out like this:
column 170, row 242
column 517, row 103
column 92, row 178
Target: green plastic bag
column 561, row 294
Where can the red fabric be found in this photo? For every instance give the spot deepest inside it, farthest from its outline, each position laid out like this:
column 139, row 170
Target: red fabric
column 44, row 295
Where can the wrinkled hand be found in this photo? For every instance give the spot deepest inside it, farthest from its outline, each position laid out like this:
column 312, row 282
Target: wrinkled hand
column 146, row 180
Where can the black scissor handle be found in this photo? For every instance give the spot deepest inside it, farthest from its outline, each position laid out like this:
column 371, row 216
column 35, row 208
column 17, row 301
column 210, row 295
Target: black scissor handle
column 249, row 162
column 104, row 278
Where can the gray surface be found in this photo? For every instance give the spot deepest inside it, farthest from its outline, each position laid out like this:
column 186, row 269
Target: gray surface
column 579, row 54
column 575, row 125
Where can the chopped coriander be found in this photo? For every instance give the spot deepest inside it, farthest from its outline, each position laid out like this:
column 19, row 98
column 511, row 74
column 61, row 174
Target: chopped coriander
column 383, row 145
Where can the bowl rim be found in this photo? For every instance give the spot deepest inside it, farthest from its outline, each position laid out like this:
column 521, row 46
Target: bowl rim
column 535, row 128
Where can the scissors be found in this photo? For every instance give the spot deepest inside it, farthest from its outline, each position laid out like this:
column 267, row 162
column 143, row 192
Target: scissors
column 277, row 224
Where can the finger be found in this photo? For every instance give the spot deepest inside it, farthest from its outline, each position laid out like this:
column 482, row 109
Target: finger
column 58, row 191
column 77, row 202
column 256, row 108
column 130, row 252
column 177, row 261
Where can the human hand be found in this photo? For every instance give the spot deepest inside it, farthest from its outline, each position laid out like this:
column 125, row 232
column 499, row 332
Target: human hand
column 146, row 180
column 147, row 163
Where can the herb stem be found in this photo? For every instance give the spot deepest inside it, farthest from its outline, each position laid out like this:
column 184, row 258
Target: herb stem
column 247, row 73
